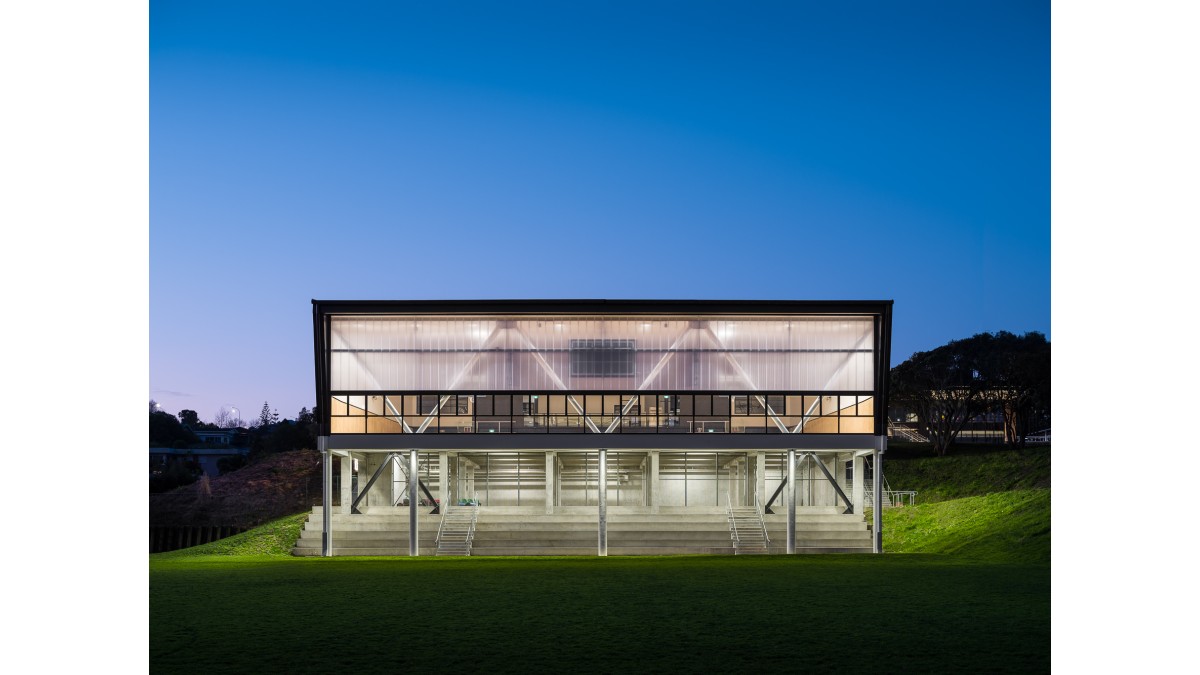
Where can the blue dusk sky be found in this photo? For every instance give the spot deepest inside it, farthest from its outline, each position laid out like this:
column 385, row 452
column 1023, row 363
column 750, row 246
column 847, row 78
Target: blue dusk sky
column 789, row 150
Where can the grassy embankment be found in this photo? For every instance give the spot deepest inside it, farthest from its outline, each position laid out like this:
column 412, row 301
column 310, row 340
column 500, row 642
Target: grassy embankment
column 989, row 506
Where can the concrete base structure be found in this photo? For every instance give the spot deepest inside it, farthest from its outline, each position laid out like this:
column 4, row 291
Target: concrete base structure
column 572, row 531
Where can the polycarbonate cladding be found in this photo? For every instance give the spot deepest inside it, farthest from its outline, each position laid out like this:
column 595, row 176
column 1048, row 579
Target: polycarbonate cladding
column 533, row 354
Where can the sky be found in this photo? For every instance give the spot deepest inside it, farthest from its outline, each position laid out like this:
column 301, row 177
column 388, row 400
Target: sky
column 678, row 150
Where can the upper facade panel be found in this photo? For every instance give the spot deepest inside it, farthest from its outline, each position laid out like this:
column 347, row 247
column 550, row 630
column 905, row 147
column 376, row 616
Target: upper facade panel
column 407, row 351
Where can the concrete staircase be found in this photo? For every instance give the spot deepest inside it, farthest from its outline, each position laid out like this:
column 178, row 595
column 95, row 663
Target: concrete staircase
column 458, row 530
column 820, row 529
column 572, row 531
column 746, row 531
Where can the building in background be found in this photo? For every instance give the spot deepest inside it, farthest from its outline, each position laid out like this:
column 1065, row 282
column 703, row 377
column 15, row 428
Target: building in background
column 597, row 426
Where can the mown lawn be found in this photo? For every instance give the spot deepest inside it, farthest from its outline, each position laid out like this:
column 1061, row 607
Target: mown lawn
column 911, row 613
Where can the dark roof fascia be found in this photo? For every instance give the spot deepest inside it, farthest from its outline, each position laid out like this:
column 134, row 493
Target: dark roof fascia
column 544, row 307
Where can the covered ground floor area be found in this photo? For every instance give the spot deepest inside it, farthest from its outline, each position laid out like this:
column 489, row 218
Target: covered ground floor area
column 381, row 500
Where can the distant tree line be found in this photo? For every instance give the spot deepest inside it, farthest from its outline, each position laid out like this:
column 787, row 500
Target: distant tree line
column 266, row 435
column 1001, row 373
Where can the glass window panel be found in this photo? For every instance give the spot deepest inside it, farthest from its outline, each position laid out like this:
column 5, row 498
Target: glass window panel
column 410, row 405
column 668, row 404
column 866, row 405
column 374, row 405
column 858, row 425
column 493, row 425
column 822, row 425
column 357, row 404
column 741, row 405
column 566, row 424
column 776, row 401
column 612, row 404
column 829, row 405
column 483, row 404
column 703, row 404
column 685, row 404
column 812, row 405
column 847, row 405
column 720, row 405
column 427, row 404
column 383, row 425
column 394, row 405
column 502, row 404
column 347, row 425
column 594, row 404
column 337, row 406
column 794, row 405
column 649, row 405
column 557, row 404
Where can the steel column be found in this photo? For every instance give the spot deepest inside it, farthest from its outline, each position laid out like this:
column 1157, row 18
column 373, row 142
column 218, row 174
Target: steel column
column 791, row 500
column 326, row 497
column 413, row 498
column 877, row 497
column 603, row 490
column 443, row 480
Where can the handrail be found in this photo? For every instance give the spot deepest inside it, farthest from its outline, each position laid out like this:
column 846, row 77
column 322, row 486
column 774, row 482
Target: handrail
column 761, row 520
column 733, row 533
column 474, row 519
column 442, row 520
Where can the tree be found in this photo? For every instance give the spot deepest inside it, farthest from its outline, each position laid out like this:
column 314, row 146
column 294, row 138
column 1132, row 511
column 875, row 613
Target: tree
column 943, row 387
column 949, row 385
column 226, row 419
column 189, row 418
column 1018, row 370
column 264, row 417
column 167, row 432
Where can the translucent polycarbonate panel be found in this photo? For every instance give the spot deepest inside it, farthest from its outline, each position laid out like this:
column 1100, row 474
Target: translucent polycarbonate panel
column 696, row 353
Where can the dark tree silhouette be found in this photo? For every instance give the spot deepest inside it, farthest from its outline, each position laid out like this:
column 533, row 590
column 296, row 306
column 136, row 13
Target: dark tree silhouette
column 949, row 385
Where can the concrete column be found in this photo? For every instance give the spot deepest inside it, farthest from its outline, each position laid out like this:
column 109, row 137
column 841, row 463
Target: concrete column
column 655, row 494
column 858, row 486
column 760, row 476
column 413, row 490
column 602, row 484
column 326, row 497
column 551, row 466
column 347, row 473
column 443, row 493
column 877, row 513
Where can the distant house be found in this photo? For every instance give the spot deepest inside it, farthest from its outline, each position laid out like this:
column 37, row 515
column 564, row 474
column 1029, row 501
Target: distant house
column 224, row 437
column 207, row 458
column 217, row 445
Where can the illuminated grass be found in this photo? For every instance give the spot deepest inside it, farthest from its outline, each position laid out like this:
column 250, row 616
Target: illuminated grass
column 848, row 613
column 999, row 527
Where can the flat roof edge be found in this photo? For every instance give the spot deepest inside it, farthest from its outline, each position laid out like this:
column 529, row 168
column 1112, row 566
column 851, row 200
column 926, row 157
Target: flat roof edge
column 601, row 306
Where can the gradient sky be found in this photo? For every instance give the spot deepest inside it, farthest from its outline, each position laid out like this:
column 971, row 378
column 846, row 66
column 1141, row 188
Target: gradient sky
column 791, row 150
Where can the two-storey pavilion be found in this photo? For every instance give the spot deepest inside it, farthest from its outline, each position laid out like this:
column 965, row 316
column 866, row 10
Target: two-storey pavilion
column 655, row 406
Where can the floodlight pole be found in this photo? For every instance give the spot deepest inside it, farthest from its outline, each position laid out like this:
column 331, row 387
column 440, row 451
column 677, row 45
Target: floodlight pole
column 603, row 485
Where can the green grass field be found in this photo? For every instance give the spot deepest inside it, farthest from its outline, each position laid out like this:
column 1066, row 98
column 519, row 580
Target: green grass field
column 966, row 588
column 913, row 613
